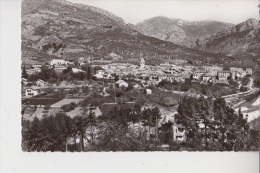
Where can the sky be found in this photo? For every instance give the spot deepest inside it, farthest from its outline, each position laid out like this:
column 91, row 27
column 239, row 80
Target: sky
column 134, row 11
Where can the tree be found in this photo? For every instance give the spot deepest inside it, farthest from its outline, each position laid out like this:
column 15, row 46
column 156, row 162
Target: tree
column 192, row 112
column 79, row 127
column 89, row 73
column 47, row 107
column 191, row 77
column 24, row 73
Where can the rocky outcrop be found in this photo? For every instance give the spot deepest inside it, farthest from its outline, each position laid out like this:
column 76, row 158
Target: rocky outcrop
column 242, row 38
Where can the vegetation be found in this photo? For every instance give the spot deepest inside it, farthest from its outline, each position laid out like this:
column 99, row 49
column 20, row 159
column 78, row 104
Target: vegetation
column 221, row 125
column 69, row 107
column 107, row 133
column 24, row 73
column 211, row 90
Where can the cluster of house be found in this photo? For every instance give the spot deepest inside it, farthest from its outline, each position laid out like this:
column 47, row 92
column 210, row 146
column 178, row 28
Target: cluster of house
column 58, row 64
column 152, row 75
column 146, row 74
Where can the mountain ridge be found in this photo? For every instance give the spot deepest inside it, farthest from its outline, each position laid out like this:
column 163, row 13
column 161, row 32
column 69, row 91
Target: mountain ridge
column 180, row 31
column 240, row 40
column 63, row 29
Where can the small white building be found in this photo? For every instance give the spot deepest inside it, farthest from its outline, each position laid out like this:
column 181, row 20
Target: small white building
column 179, row 133
column 24, row 81
column 32, row 91
column 121, row 83
column 223, row 75
column 40, row 82
column 76, row 70
column 148, row 91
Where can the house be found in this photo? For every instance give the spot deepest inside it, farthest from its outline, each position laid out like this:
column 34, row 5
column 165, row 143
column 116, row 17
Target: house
column 223, row 75
column 148, row 91
column 32, row 91
column 179, row 133
column 76, row 70
column 170, row 131
column 58, row 62
column 40, row 82
column 121, row 83
column 81, row 60
column 198, row 74
column 236, row 69
column 24, row 81
column 208, row 77
column 171, row 77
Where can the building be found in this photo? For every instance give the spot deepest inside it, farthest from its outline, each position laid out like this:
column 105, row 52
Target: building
column 76, row 70
column 198, row 75
column 121, row 83
column 148, row 91
column 179, row 133
column 208, row 77
column 142, row 63
column 31, row 71
column 236, row 69
column 32, row 91
column 81, row 60
column 171, row 77
column 24, row 81
column 223, row 75
column 40, row 82
column 58, row 62
column 170, row 131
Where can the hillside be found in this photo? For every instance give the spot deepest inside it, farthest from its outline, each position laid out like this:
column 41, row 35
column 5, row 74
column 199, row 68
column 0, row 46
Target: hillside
column 179, row 31
column 241, row 40
column 57, row 28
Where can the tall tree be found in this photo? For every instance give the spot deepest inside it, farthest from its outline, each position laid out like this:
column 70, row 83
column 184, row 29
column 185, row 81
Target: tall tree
column 24, row 73
column 89, row 73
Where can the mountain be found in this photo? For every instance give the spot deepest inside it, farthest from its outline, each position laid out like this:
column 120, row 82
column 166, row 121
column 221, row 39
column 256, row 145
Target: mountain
column 241, row 40
column 57, row 28
column 179, row 31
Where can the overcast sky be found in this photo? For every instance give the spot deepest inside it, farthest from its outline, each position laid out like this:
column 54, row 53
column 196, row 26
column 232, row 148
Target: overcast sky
column 133, row 11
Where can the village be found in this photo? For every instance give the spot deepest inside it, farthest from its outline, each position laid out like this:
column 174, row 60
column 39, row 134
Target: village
column 99, row 88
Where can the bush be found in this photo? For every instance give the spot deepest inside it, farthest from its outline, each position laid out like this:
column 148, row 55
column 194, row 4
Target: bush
column 243, row 89
column 69, row 107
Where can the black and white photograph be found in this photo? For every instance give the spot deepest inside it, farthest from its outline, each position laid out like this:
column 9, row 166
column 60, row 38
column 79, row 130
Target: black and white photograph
column 139, row 76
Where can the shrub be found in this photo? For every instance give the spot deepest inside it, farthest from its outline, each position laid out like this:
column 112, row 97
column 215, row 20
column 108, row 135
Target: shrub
column 243, row 89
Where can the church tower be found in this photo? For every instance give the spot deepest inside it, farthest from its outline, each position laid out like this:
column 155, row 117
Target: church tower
column 142, row 63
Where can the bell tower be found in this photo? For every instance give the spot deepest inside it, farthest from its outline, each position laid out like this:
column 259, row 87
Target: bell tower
column 142, row 63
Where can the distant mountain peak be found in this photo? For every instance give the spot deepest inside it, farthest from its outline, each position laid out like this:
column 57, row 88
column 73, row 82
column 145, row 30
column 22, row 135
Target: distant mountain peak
column 180, row 31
